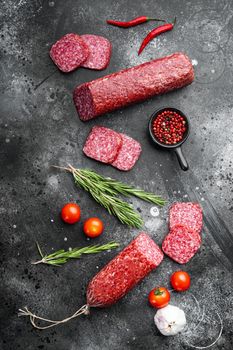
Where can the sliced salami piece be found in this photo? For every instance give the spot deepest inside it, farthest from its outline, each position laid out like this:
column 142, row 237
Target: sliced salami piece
column 102, row 144
column 181, row 244
column 132, row 85
column 128, row 154
column 69, row 52
column 188, row 214
column 122, row 273
column 100, row 50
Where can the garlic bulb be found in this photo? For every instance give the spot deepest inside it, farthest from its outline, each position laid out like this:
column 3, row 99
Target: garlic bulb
column 170, row 320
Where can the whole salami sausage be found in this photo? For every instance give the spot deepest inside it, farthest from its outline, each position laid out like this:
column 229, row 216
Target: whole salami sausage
column 122, row 273
column 132, row 85
column 116, row 279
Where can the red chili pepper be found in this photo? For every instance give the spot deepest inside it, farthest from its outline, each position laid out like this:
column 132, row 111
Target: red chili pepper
column 134, row 22
column 155, row 32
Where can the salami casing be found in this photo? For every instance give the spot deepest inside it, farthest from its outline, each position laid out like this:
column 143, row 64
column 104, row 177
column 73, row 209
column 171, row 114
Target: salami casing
column 132, row 85
column 122, row 273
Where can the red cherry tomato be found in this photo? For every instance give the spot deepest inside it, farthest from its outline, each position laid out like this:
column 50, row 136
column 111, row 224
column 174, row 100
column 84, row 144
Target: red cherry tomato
column 180, row 281
column 93, row 227
column 159, row 297
column 71, row 213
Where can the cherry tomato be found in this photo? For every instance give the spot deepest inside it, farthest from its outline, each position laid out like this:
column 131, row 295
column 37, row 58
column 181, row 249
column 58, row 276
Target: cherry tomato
column 93, row 227
column 180, row 281
column 71, row 213
column 159, row 297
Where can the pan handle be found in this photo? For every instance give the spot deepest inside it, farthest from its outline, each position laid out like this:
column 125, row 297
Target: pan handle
column 182, row 161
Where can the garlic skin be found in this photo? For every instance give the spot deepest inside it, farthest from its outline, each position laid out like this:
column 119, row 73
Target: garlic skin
column 170, row 320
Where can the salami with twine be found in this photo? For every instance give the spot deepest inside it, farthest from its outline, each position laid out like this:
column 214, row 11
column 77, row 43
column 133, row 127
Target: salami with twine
column 115, row 280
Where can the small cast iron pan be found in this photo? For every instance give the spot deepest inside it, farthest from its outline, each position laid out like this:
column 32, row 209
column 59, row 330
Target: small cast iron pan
column 176, row 147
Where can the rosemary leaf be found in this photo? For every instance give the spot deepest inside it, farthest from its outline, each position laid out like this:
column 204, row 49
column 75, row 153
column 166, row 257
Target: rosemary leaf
column 39, row 249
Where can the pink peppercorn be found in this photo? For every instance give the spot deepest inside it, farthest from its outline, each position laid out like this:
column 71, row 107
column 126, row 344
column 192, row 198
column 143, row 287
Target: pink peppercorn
column 169, row 127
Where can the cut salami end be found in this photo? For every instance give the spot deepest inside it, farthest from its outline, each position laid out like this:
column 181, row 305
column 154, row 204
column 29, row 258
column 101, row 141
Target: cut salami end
column 84, row 103
column 69, row 52
column 128, row 154
column 99, row 52
column 122, row 273
column 187, row 214
column 132, row 85
column 102, row 144
column 181, row 244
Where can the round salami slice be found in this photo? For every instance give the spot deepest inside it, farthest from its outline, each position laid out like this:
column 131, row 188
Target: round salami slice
column 128, row 154
column 69, row 52
column 181, row 244
column 100, row 50
column 187, row 214
column 102, row 144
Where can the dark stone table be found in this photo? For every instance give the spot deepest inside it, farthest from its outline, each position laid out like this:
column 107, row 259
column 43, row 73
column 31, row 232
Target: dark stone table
column 40, row 127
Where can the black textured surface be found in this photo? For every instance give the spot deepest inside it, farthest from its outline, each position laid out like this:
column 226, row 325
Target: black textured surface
column 40, row 127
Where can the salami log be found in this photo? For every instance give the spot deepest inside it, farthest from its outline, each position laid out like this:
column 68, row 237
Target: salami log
column 116, row 279
column 122, row 273
column 132, row 85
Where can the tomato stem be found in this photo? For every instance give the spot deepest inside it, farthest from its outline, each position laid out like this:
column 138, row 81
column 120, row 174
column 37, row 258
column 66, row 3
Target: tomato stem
column 157, row 291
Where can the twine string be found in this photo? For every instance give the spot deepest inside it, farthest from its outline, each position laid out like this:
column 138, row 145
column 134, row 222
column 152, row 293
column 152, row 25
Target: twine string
column 85, row 309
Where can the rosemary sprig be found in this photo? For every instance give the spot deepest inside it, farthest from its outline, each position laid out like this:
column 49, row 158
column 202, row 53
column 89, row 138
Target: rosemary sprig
column 115, row 187
column 106, row 192
column 61, row 256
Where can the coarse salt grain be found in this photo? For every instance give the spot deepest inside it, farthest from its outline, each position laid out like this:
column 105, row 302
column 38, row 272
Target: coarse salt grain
column 154, row 211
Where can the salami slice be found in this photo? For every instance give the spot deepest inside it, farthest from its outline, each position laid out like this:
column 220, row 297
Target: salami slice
column 100, row 50
column 102, row 144
column 69, row 52
column 132, row 85
column 181, row 244
column 128, row 154
column 186, row 213
column 122, row 273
